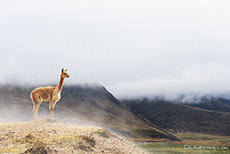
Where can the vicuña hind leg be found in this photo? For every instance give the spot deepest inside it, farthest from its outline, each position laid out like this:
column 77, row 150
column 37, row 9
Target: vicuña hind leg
column 36, row 107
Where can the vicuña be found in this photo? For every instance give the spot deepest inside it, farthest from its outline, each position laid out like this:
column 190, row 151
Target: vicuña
column 51, row 94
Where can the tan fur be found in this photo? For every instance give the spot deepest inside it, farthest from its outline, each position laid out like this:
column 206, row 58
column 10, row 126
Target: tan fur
column 51, row 94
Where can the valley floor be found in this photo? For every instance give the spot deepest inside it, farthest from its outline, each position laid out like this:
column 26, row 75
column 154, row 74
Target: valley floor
column 192, row 143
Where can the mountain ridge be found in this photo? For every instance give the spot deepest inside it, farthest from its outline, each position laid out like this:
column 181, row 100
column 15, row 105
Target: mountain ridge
column 81, row 104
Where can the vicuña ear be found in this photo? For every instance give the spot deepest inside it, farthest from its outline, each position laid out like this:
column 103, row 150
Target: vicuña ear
column 62, row 70
column 66, row 69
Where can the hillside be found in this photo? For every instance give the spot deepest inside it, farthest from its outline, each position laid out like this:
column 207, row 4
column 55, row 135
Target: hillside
column 208, row 102
column 49, row 136
column 169, row 115
column 215, row 104
column 82, row 104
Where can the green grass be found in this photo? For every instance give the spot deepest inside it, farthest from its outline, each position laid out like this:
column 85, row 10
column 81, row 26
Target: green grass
column 192, row 143
column 162, row 148
column 178, row 148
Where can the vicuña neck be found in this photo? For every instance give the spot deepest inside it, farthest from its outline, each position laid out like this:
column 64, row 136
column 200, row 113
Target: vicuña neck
column 60, row 84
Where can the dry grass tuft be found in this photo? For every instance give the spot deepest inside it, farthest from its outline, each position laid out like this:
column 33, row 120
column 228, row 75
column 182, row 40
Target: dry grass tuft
column 38, row 148
column 103, row 133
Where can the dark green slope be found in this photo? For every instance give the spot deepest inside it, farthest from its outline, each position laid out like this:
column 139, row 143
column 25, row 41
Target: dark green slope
column 169, row 115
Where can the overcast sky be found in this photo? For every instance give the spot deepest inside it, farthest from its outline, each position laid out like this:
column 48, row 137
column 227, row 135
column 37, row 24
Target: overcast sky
column 133, row 48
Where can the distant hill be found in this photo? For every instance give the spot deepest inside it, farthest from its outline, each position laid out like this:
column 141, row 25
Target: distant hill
column 215, row 104
column 206, row 102
column 170, row 115
column 87, row 104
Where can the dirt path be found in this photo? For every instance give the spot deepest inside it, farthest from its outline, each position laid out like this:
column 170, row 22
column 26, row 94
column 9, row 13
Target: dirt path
column 49, row 136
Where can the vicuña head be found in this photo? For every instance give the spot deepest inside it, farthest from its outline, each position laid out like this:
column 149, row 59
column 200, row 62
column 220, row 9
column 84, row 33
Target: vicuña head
column 51, row 94
column 64, row 73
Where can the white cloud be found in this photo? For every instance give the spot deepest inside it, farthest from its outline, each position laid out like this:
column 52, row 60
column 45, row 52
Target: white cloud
column 128, row 46
column 211, row 79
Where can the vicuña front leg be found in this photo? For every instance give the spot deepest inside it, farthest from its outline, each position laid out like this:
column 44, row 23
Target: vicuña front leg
column 51, row 107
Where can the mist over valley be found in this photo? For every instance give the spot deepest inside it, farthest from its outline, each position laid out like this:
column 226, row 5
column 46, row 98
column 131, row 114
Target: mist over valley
column 161, row 70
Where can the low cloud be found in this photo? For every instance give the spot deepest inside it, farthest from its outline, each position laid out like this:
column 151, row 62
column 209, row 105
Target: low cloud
column 210, row 80
column 133, row 48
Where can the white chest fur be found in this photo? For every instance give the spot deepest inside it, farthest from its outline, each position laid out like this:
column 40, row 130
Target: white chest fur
column 56, row 95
